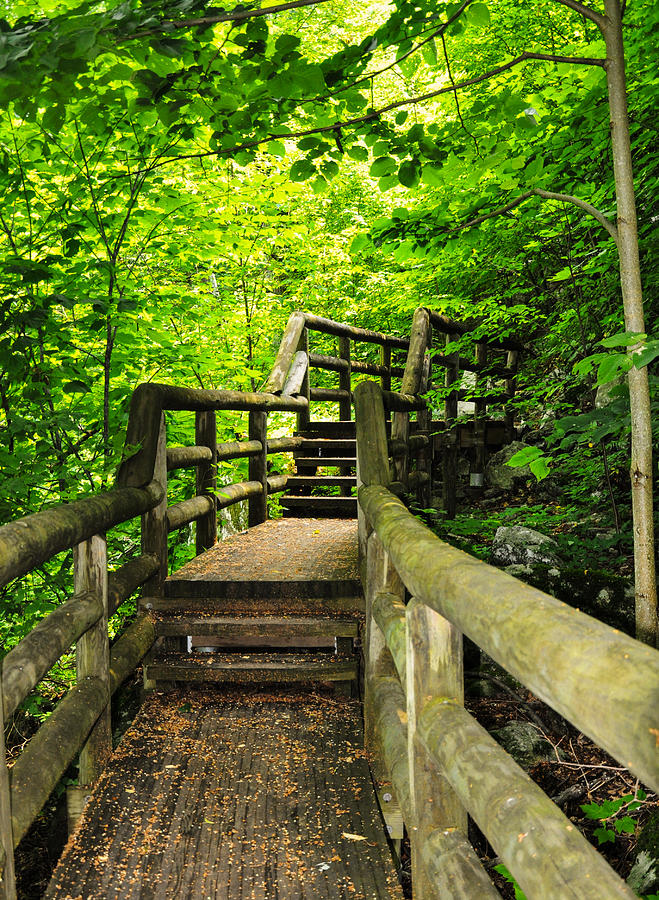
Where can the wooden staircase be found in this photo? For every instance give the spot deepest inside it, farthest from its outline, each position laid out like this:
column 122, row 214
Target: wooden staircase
column 293, row 620
column 325, row 476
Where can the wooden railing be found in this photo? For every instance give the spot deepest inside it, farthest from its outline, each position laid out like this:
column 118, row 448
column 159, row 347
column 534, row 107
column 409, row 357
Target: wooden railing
column 441, row 763
column 80, row 723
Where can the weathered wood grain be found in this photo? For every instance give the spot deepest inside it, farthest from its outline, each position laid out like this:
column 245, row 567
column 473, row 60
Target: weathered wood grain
column 30, row 541
column 41, row 765
column 545, row 852
column 434, row 669
column 233, row 796
column 388, row 610
column 453, row 868
column 559, row 653
column 90, row 575
column 7, row 876
column 287, row 348
column 258, row 469
column 127, row 578
column 206, row 479
column 127, row 652
column 327, row 326
column 187, row 457
column 26, row 663
column 296, row 375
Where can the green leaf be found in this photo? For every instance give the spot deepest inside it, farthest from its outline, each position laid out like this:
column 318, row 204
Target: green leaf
column 302, row 170
column 479, row 14
column 75, row 387
column 539, row 467
column 623, row 339
column 604, row 835
column 612, row 366
column 524, row 457
column 408, row 173
column 277, row 148
column 383, row 165
column 357, row 153
column 432, row 176
column 359, row 241
column 429, row 53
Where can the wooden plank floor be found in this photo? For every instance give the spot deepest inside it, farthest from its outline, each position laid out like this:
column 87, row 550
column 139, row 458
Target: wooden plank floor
column 227, row 796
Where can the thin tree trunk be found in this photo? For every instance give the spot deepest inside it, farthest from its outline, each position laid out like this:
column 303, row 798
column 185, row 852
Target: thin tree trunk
column 632, row 296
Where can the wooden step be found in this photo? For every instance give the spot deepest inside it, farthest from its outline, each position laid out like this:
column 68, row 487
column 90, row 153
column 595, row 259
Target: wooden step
column 327, row 446
column 311, row 481
column 320, row 506
column 306, row 462
column 250, row 627
column 343, row 428
column 251, row 668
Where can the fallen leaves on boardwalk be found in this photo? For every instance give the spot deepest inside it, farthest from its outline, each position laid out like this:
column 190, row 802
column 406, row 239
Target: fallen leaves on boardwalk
column 233, row 795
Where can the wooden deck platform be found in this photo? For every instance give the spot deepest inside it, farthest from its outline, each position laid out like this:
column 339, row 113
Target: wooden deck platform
column 229, row 796
column 287, row 566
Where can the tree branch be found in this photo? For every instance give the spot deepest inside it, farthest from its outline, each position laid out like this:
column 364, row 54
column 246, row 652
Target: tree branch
column 369, row 117
column 546, row 195
column 237, row 16
column 582, row 204
column 586, row 11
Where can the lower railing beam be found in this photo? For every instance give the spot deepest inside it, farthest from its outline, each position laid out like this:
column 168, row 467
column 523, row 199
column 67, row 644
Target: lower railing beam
column 7, row 878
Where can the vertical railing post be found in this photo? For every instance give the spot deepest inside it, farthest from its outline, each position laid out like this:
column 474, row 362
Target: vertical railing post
column 477, row 477
column 434, row 669
column 378, row 573
column 258, row 468
column 372, row 449
column 90, row 575
column 206, row 436
column 420, row 339
column 7, row 876
column 345, row 404
column 304, row 415
column 385, row 362
column 450, row 473
column 424, row 456
column 154, row 522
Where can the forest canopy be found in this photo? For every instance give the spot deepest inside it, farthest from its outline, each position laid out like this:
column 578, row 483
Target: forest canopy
column 178, row 177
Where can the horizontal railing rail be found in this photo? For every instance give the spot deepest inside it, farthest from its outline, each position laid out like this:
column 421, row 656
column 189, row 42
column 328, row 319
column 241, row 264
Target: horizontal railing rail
column 80, row 721
column 442, row 764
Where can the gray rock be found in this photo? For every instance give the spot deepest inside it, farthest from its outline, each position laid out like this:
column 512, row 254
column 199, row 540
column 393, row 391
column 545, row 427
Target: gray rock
column 604, row 391
column 499, row 475
column 524, row 743
column 515, row 545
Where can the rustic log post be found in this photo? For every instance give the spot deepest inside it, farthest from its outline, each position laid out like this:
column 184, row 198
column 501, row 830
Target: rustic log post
column 154, row 522
column 345, row 404
column 372, row 449
column 420, row 340
column 90, row 575
column 450, row 474
column 434, row 669
column 476, row 478
column 7, row 878
column 304, row 415
column 424, row 455
column 512, row 359
column 381, row 577
column 258, row 468
column 206, row 436
column 385, row 360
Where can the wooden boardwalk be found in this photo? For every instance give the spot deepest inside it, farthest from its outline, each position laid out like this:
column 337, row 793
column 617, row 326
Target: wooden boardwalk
column 229, row 796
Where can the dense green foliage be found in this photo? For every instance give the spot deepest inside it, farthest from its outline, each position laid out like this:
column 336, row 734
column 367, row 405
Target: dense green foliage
column 175, row 183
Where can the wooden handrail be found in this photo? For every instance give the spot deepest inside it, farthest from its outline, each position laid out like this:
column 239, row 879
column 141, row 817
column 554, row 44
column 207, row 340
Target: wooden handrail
column 28, row 542
column 602, row 681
